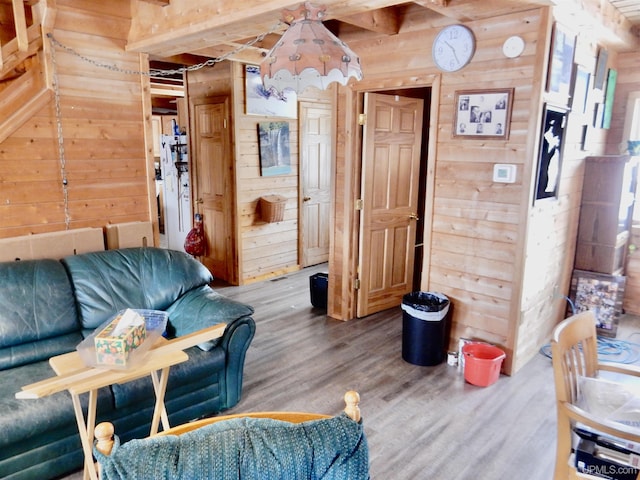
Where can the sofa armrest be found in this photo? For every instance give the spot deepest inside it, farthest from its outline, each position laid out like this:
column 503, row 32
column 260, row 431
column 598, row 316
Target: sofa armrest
column 202, row 308
column 235, row 343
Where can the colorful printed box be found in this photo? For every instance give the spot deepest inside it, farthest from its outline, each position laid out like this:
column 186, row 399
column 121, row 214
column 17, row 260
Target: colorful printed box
column 114, row 350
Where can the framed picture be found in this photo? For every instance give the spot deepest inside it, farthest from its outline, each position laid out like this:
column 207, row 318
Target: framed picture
column 483, row 113
column 561, row 62
column 612, row 79
column 268, row 103
column 601, row 293
column 598, row 115
column 275, row 153
column 550, row 153
column 586, row 134
column 601, row 68
column 580, row 90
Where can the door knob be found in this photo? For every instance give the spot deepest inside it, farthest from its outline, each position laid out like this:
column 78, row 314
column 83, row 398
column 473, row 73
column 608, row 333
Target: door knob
column 413, row 216
column 306, row 199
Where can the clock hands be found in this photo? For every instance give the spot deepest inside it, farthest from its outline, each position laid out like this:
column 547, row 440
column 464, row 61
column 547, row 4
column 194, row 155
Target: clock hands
column 453, row 50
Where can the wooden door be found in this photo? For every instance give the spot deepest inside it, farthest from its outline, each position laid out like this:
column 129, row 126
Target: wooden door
column 213, row 186
column 392, row 138
column 316, row 172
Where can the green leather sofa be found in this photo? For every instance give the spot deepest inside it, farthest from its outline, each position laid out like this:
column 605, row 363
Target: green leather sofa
column 47, row 307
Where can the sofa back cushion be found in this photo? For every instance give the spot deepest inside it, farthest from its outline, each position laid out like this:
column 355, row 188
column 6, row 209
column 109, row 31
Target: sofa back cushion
column 38, row 317
column 142, row 277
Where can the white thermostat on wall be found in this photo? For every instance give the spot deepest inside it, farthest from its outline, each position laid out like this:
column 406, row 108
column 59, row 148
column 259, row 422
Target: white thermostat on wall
column 504, row 173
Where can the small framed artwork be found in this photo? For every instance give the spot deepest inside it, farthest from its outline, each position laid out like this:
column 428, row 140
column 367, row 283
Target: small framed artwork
column 580, row 90
column 483, row 113
column 268, row 103
column 601, row 68
column 610, row 91
column 601, row 293
column 550, row 153
column 275, row 152
column 585, row 135
column 598, row 115
column 561, row 62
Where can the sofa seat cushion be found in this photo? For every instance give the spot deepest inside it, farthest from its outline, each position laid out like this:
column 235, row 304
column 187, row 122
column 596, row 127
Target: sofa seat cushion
column 36, row 305
column 142, row 277
column 198, row 369
column 333, row 448
column 28, row 420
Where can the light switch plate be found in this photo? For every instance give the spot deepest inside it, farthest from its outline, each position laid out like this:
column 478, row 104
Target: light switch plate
column 504, row 173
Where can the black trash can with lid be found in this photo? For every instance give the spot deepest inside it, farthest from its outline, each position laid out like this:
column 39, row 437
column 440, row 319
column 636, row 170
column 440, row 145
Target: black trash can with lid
column 424, row 327
column 318, row 286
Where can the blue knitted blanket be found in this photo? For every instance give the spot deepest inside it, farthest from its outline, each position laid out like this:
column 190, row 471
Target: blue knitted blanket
column 246, row 448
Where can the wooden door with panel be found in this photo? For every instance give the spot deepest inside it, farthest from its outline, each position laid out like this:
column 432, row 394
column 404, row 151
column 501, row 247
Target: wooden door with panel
column 214, row 185
column 316, row 173
column 391, row 152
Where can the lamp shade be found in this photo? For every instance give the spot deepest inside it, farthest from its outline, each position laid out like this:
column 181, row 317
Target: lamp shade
column 308, row 54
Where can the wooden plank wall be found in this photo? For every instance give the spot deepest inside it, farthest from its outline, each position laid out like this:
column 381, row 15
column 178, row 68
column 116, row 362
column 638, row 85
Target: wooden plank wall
column 475, row 234
column 628, row 81
column 268, row 249
column 552, row 225
column 265, row 249
column 631, row 302
column 627, row 66
column 504, row 262
column 103, row 124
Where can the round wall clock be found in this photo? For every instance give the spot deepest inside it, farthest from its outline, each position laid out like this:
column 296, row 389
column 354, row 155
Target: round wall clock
column 453, row 48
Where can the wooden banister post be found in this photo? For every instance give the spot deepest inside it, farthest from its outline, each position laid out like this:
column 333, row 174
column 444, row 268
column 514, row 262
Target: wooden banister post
column 20, row 20
column 104, row 437
column 352, row 400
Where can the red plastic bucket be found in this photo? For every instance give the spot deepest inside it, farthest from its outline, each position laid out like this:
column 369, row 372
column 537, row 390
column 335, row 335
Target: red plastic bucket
column 482, row 363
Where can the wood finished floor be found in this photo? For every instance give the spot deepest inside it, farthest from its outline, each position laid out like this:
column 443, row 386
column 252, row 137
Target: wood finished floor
column 421, row 422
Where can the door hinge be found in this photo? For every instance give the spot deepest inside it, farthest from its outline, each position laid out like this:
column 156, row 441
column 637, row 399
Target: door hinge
column 362, row 119
column 356, row 284
column 359, row 204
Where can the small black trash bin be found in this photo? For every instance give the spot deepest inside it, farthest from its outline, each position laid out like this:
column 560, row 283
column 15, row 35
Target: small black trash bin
column 318, row 284
column 424, row 327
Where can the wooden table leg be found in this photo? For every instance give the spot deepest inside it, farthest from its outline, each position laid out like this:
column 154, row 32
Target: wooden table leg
column 86, row 433
column 160, row 387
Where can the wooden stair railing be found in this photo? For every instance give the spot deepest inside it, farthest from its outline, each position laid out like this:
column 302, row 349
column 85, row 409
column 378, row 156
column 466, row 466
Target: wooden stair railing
column 28, row 38
column 22, row 99
column 24, row 85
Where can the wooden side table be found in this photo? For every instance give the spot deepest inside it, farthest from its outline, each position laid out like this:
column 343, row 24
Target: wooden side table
column 72, row 375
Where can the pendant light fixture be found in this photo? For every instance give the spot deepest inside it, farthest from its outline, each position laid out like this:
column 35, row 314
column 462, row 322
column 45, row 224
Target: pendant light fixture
column 308, row 54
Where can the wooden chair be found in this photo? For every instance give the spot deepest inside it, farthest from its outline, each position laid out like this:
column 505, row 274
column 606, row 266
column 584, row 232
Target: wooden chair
column 574, row 349
column 104, row 432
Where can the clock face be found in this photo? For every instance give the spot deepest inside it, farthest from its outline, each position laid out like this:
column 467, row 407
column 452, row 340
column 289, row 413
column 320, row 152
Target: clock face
column 453, row 48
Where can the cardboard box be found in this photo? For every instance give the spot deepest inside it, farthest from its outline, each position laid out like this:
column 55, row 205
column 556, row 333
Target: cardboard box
column 114, row 349
column 52, row 244
column 132, row 234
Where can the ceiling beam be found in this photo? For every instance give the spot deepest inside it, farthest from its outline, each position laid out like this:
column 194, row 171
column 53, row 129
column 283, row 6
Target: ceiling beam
column 381, row 21
column 187, row 25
